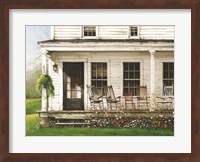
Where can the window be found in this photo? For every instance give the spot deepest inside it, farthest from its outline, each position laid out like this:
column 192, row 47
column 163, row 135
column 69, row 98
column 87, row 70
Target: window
column 168, row 74
column 99, row 76
column 133, row 31
column 89, row 31
column 131, row 78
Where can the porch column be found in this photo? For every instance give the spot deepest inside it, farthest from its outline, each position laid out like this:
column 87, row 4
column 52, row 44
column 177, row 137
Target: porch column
column 152, row 55
column 152, row 87
column 49, row 73
column 44, row 71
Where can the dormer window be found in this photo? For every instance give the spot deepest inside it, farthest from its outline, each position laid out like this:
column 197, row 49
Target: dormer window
column 134, row 32
column 89, row 31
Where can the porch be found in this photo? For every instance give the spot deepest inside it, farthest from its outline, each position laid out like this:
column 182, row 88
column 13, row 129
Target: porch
column 163, row 118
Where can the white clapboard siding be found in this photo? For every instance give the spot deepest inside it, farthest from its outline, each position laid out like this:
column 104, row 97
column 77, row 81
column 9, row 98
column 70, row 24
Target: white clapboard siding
column 113, row 32
column 116, row 32
column 156, row 32
column 67, row 32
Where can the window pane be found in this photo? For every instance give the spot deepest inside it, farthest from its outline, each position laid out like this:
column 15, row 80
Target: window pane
column 165, row 74
column 132, row 83
column 171, row 66
column 165, row 66
column 171, row 74
column 131, row 75
column 125, row 66
column 137, row 75
column 137, row 66
column 125, row 75
column 125, row 83
column 131, row 66
column 125, row 91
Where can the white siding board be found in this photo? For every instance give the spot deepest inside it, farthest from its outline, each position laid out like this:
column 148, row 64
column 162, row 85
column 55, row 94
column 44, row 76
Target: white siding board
column 67, row 32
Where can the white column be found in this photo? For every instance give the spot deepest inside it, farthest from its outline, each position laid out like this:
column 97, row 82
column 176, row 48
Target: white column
column 44, row 71
column 152, row 95
column 49, row 73
column 152, row 55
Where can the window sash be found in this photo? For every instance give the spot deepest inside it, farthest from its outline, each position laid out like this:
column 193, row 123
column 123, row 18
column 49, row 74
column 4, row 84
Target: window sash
column 134, row 32
column 99, row 76
column 89, row 31
column 168, row 74
column 131, row 78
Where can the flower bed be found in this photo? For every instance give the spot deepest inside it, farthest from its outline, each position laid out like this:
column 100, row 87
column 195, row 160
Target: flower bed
column 133, row 122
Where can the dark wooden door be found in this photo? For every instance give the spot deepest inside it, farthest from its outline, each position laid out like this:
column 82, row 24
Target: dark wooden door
column 73, row 86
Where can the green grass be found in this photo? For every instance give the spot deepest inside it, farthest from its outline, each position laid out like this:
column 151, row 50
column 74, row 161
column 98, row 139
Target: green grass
column 67, row 131
column 32, row 122
column 33, row 105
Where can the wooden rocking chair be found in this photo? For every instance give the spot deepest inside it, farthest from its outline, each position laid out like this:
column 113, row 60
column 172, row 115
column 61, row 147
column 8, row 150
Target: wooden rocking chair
column 129, row 101
column 142, row 98
column 94, row 97
column 166, row 101
column 111, row 99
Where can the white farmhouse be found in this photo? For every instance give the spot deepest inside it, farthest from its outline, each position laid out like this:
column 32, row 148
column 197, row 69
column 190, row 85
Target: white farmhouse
column 122, row 56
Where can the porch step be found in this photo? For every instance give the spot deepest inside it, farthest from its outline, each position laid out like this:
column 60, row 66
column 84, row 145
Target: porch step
column 72, row 117
column 72, row 124
column 72, row 121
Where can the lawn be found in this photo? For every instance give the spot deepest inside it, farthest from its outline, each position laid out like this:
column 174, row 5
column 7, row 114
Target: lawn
column 32, row 127
column 33, row 105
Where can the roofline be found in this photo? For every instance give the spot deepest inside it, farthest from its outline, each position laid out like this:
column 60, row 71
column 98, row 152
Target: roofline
column 104, row 40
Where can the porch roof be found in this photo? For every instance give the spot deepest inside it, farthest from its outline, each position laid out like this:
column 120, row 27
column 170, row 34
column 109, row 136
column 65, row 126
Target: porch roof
column 107, row 45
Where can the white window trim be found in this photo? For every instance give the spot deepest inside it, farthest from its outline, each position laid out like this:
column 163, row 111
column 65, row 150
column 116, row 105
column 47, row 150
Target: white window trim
column 129, row 32
column 89, row 37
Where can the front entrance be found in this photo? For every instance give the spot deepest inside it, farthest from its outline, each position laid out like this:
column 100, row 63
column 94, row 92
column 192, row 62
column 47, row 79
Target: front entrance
column 73, row 86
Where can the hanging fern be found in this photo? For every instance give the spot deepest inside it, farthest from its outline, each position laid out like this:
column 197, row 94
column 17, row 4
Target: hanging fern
column 45, row 81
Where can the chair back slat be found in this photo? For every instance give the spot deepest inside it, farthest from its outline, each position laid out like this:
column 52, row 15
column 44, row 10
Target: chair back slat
column 142, row 92
column 110, row 93
column 92, row 91
column 168, row 91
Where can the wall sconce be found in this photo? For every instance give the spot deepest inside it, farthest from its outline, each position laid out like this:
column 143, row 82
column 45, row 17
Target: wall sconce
column 55, row 67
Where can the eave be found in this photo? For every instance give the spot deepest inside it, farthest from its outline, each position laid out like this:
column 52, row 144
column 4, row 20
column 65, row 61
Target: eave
column 107, row 45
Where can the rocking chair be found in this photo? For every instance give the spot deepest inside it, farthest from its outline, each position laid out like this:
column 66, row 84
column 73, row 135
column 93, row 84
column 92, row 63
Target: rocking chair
column 94, row 97
column 142, row 99
column 167, row 100
column 111, row 99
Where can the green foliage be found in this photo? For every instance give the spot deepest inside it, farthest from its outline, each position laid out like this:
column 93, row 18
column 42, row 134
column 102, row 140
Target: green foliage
column 45, row 81
column 33, row 105
column 31, row 80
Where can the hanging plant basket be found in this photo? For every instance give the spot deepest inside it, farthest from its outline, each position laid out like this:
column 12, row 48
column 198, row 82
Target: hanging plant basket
column 45, row 81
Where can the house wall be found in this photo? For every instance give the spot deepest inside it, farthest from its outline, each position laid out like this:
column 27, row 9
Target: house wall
column 115, row 70
column 115, row 32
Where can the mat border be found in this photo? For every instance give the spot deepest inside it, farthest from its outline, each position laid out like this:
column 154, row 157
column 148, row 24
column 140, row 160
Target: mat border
column 5, row 6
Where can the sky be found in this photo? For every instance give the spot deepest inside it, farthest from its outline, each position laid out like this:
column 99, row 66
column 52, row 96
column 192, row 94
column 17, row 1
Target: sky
column 33, row 50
